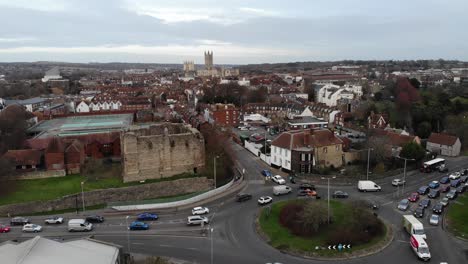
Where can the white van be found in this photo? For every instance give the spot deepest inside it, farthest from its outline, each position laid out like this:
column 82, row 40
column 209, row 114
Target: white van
column 368, row 186
column 79, row 225
column 281, row 189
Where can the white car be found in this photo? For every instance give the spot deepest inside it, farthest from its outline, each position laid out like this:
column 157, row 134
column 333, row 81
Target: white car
column 398, row 182
column 32, row 228
column 278, row 179
column 454, row 176
column 54, row 220
column 264, row 200
column 200, row 210
column 197, row 220
column 434, row 220
column 244, row 128
column 252, row 128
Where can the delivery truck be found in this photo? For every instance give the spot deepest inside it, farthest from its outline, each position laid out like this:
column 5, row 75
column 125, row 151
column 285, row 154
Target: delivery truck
column 413, row 226
column 368, row 186
column 420, row 247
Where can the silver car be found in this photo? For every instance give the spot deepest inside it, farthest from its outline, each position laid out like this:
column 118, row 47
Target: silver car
column 398, row 182
column 444, row 201
column 403, row 205
column 197, row 220
column 434, row 220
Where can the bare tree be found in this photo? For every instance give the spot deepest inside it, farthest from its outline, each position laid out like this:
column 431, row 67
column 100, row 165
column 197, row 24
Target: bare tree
column 313, row 217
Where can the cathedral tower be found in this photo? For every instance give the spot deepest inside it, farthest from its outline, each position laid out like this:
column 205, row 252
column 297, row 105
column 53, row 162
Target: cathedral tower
column 208, row 60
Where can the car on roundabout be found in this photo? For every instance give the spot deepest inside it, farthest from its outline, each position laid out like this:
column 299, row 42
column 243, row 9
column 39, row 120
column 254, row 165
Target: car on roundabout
column 452, row 194
column 434, row 219
column 444, row 180
column 264, row 200
column 266, row 173
column 4, row 229
column 434, row 184
column 199, row 210
column 197, row 220
column 54, row 220
column 403, row 205
column 398, row 182
column 419, row 212
column 414, row 197
column 340, row 194
column 242, row 197
column 425, row 203
column 278, row 179
column 423, row 190
column 433, row 194
column 454, row 176
column 438, row 209
column 138, row 225
column 147, row 217
column 461, row 189
column 445, row 189
column 445, row 201
column 32, row 228
column 95, row 219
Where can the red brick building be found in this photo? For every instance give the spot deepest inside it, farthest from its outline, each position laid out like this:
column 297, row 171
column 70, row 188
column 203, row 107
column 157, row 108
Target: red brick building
column 25, row 159
column 222, row 114
column 74, row 157
column 55, row 155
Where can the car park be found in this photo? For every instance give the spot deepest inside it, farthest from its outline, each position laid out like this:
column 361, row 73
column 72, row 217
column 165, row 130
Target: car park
column 455, row 183
column 434, row 219
column 425, row 203
column 438, row 208
column 4, row 229
column 403, row 205
column 32, row 228
column 444, row 201
column 340, row 194
column 137, row 225
column 54, row 220
column 19, row 221
column 264, row 200
column 461, row 189
column 147, row 217
column 434, row 185
column 454, row 176
column 419, row 212
column 452, row 194
column 414, row 197
column 444, row 180
column 266, row 173
column 197, row 220
column 445, row 189
column 398, row 182
column 278, row 179
column 200, row 210
column 242, row 197
column 433, row 194
column 423, row 190
column 95, row 219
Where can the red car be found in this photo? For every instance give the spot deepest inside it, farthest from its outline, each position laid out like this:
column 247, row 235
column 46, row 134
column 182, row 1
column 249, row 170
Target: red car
column 4, row 229
column 414, row 197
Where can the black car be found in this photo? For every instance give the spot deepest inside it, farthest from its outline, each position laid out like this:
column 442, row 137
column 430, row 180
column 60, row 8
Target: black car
column 425, row 203
column 461, row 189
column 444, row 180
column 423, row 190
column 19, row 221
column 455, row 183
column 95, row 219
column 445, row 188
column 438, row 208
column 433, row 194
column 243, row 197
column 464, row 172
column 464, row 179
column 340, row 194
column 305, row 186
column 419, row 212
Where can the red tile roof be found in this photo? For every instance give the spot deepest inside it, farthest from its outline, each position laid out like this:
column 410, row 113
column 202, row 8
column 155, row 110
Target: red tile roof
column 442, row 139
column 395, row 139
column 306, row 139
column 24, row 156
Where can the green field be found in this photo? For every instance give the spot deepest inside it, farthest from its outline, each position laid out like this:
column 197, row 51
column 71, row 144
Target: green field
column 281, row 238
column 52, row 188
column 457, row 216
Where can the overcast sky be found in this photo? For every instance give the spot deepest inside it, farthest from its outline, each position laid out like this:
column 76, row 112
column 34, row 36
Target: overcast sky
column 238, row 31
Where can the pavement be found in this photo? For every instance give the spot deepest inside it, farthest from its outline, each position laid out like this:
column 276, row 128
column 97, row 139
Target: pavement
column 231, row 236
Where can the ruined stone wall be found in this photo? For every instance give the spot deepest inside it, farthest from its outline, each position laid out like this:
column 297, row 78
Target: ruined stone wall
column 160, row 151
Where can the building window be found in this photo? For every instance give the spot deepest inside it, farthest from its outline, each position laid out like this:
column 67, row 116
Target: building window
column 324, row 150
column 303, row 157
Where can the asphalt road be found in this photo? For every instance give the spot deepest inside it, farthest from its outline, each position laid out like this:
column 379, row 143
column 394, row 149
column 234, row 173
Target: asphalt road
column 233, row 238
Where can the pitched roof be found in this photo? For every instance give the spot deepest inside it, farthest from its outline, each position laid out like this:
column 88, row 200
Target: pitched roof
column 442, row 139
column 306, row 139
column 394, row 139
column 55, row 146
column 24, row 156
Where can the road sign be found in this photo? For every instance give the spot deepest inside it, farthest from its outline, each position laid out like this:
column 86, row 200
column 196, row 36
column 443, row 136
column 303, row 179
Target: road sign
column 329, row 247
column 340, row 247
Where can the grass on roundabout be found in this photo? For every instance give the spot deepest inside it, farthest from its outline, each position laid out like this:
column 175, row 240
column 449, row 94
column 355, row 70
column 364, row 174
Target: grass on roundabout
column 281, row 238
column 457, row 215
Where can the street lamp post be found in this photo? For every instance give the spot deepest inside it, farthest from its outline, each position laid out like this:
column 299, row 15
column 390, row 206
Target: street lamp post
column 368, row 159
column 211, row 236
column 404, row 172
column 328, row 195
column 128, row 234
column 214, row 168
column 82, row 195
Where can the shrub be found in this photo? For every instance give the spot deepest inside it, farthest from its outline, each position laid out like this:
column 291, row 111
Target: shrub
column 289, row 216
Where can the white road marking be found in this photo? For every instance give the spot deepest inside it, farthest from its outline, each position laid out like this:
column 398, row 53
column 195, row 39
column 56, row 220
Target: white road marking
column 387, row 203
column 165, row 246
column 138, row 243
column 401, row 241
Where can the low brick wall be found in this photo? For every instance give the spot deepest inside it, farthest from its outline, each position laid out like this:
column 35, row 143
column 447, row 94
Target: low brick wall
column 133, row 193
column 36, row 175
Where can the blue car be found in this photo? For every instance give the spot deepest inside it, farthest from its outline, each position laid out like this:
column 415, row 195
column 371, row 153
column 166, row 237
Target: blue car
column 266, row 173
column 444, row 180
column 138, row 226
column 147, row 217
column 455, row 183
column 434, row 185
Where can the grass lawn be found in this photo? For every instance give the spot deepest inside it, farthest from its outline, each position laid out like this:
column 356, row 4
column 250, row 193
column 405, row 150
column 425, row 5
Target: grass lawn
column 52, row 188
column 458, row 215
column 281, row 238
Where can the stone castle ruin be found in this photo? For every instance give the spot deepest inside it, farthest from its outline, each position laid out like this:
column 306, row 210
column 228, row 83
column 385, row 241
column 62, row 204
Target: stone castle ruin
column 161, row 150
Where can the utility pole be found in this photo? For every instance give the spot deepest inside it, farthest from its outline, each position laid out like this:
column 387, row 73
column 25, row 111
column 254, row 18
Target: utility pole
column 214, row 168
column 128, row 234
column 211, row 236
column 404, row 172
column 368, row 161
column 328, row 195
column 82, row 196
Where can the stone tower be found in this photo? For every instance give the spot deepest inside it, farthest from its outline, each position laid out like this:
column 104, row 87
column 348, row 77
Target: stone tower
column 208, row 60
column 189, row 66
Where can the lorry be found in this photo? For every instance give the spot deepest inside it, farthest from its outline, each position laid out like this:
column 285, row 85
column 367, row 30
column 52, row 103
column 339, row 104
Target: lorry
column 281, row 189
column 413, row 226
column 79, row 225
column 420, row 247
column 368, row 186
